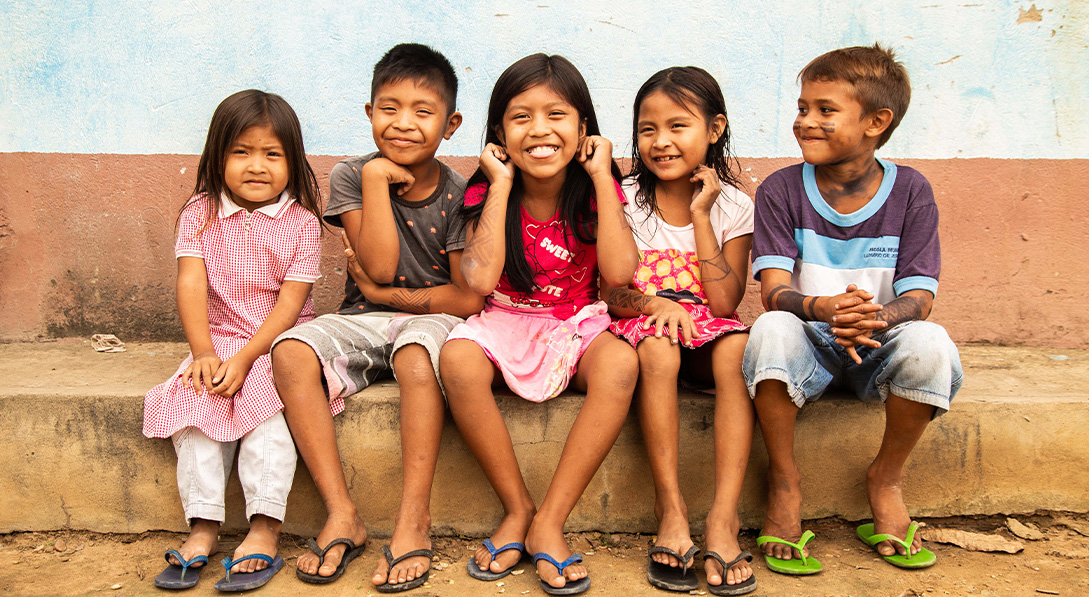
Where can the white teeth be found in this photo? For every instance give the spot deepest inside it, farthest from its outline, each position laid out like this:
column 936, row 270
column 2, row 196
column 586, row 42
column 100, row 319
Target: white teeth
column 542, row 150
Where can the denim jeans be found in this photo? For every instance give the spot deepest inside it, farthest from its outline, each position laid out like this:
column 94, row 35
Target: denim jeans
column 917, row 361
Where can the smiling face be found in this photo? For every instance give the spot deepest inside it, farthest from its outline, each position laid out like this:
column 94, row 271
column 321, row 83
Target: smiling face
column 409, row 120
column 256, row 169
column 831, row 127
column 673, row 141
column 541, row 132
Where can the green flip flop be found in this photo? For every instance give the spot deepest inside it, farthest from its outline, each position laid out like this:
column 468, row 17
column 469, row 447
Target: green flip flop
column 923, row 559
column 793, row 566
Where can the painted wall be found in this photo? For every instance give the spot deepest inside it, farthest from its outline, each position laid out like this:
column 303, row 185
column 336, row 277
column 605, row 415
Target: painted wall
column 992, row 78
column 103, row 108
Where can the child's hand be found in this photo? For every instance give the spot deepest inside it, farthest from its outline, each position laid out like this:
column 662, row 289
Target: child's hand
column 496, row 164
column 668, row 315
column 384, row 170
column 595, row 153
column 230, row 375
column 362, row 280
column 854, row 320
column 198, row 375
column 707, row 190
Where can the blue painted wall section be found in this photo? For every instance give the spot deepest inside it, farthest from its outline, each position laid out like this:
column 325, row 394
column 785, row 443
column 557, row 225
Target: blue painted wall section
column 998, row 79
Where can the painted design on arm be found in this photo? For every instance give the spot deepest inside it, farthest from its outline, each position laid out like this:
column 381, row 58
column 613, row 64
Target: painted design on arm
column 412, row 300
column 626, row 298
column 905, row 308
column 716, row 268
column 785, row 298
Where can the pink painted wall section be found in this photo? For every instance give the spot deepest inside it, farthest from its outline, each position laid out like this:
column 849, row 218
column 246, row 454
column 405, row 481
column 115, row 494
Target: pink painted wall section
column 86, row 246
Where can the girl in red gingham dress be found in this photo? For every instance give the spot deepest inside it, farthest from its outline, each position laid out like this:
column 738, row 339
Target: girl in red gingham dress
column 248, row 250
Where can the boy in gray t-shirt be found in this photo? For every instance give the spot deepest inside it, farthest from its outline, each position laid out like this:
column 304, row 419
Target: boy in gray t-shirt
column 400, row 210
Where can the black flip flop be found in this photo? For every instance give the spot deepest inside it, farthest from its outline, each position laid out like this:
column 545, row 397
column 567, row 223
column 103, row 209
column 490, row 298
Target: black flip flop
column 349, row 555
column 664, row 576
column 173, row 577
column 391, row 561
column 749, row 584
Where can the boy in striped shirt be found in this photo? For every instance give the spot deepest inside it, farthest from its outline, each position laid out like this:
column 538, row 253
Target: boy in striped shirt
column 846, row 251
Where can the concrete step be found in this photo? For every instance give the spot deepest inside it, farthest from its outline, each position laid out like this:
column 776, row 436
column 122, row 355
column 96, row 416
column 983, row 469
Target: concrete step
column 1015, row 441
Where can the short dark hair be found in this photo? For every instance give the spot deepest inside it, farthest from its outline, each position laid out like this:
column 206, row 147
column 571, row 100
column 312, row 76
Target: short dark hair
column 878, row 79
column 422, row 64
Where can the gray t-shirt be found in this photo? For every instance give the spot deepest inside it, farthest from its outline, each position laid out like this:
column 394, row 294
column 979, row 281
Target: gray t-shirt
column 428, row 230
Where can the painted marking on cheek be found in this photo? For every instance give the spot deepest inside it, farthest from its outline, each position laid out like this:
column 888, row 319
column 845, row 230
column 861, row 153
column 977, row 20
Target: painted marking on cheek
column 828, row 127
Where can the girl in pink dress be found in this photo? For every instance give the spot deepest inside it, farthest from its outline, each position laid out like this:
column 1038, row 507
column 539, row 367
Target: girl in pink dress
column 693, row 228
column 540, row 209
column 248, row 252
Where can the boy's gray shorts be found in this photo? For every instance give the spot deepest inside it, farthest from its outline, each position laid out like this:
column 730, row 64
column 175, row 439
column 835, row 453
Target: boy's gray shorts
column 356, row 350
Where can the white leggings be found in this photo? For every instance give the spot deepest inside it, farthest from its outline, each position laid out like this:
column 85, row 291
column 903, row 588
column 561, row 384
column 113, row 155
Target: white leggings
column 266, row 468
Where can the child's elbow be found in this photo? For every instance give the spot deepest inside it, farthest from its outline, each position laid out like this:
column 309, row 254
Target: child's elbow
column 477, row 279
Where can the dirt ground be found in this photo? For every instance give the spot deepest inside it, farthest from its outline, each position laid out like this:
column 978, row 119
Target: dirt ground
column 1056, row 563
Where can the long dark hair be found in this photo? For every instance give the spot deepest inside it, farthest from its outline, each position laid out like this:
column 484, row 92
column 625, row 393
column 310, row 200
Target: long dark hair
column 691, row 87
column 232, row 117
column 575, row 195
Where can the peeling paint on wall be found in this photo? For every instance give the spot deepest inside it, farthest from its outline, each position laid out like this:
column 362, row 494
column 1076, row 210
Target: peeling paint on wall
column 114, row 76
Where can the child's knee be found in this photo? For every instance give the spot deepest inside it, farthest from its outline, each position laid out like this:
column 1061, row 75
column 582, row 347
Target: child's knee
column 658, row 357
column 459, row 362
column 623, row 370
column 288, row 357
column 926, row 346
column 412, row 365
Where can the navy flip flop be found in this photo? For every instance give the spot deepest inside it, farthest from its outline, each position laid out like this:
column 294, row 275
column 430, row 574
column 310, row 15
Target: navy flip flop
column 573, row 587
column 173, row 577
column 391, row 561
column 479, row 573
column 246, row 581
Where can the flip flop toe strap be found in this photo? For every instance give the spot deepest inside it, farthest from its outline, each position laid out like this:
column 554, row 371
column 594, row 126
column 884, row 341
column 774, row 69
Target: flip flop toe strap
column 185, row 564
column 905, row 542
column 495, row 552
column 686, row 559
column 560, row 566
column 392, row 561
column 312, row 544
column 228, row 563
column 805, row 538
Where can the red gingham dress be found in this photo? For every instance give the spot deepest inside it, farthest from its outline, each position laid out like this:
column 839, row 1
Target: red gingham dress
column 248, row 257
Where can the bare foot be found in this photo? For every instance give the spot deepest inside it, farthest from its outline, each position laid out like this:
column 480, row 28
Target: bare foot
column 336, row 526
column 722, row 539
column 203, row 540
column 512, row 529
column 548, row 539
column 408, row 535
column 890, row 515
column 673, row 532
column 264, row 537
column 784, row 515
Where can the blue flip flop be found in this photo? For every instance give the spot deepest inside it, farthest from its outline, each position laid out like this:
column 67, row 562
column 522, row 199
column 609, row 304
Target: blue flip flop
column 245, row 581
column 174, row 576
column 479, row 573
column 573, row 587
